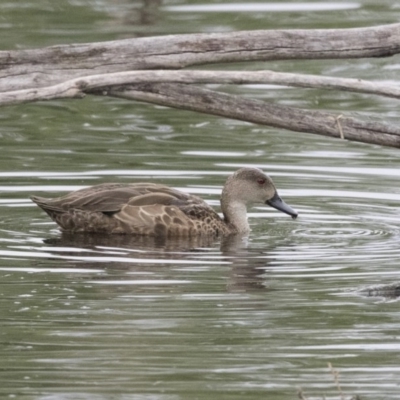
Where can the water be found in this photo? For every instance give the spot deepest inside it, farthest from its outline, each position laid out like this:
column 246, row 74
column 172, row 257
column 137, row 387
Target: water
column 249, row 317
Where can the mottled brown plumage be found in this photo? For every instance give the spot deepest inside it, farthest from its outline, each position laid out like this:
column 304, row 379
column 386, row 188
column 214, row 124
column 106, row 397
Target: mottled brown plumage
column 158, row 210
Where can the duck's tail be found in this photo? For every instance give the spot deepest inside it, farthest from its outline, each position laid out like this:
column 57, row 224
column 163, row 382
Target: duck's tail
column 46, row 205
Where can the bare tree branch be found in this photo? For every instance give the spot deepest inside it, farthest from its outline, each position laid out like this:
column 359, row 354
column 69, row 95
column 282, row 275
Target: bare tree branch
column 70, row 71
column 23, row 69
column 76, row 88
column 206, row 101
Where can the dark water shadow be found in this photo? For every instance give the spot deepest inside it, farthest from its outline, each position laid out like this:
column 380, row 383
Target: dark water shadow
column 387, row 292
column 142, row 13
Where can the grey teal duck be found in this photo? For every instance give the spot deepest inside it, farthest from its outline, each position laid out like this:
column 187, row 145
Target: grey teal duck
column 156, row 210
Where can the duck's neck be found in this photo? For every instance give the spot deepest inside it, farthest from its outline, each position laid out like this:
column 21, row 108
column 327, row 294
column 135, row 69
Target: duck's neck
column 235, row 215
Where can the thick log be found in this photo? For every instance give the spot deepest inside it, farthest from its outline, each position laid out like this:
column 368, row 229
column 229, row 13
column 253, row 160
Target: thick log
column 206, row 101
column 23, row 69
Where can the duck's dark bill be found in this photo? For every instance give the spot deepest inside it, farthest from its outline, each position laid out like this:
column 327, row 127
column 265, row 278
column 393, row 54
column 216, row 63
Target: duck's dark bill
column 280, row 205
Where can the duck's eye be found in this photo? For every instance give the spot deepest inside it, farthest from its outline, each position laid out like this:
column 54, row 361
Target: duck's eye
column 261, row 181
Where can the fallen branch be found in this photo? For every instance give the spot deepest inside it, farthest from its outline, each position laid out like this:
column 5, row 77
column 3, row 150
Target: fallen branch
column 23, row 69
column 71, row 71
column 76, row 88
column 192, row 98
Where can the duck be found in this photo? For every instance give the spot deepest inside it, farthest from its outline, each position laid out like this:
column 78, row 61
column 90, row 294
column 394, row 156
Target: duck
column 153, row 209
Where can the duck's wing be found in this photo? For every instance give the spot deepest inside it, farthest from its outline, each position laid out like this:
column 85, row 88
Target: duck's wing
column 111, row 198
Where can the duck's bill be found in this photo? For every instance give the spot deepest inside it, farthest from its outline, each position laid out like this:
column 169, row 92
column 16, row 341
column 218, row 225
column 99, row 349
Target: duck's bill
column 280, row 205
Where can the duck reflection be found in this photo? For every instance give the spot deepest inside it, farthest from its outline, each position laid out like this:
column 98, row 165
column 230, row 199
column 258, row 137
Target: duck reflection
column 141, row 255
column 145, row 244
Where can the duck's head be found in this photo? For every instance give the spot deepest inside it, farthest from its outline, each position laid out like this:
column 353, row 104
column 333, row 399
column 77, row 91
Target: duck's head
column 253, row 186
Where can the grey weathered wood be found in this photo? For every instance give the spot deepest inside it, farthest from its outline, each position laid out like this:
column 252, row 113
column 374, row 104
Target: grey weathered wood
column 96, row 68
column 76, row 88
column 206, row 101
column 24, row 69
